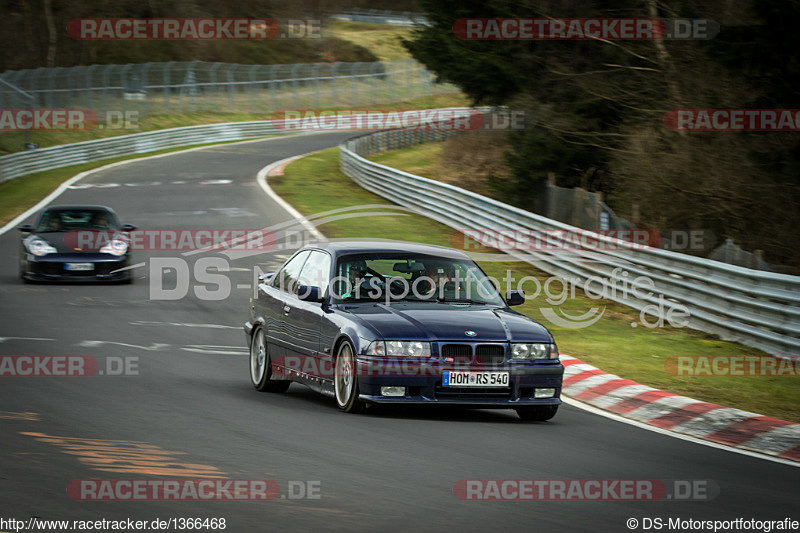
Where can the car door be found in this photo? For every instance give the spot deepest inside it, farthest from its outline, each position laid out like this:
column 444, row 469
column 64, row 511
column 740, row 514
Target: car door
column 272, row 303
column 303, row 318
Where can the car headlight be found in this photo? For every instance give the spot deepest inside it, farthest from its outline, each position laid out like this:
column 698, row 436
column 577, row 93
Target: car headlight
column 115, row 247
column 400, row 348
column 39, row 247
column 522, row 351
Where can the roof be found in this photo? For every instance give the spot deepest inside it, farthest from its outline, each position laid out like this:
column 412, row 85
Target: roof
column 348, row 247
column 71, row 207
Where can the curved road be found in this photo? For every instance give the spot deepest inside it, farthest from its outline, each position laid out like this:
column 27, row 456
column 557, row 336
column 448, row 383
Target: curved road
column 191, row 411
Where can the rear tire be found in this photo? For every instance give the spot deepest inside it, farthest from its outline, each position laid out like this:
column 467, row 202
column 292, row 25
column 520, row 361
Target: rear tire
column 261, row 365
column 345, row 380
column 537, row 413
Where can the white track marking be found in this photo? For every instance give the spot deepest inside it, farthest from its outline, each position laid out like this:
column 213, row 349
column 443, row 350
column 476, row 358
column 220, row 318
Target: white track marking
column 183, row 324
column 152, row 348
column 215, row 350
column 4, row 339
column 261, row 178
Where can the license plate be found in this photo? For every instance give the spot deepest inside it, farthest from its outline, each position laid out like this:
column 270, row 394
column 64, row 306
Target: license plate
column 452, row 378
column 78, row 266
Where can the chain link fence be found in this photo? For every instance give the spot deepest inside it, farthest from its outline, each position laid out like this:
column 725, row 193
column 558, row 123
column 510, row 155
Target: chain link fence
column 185, row 87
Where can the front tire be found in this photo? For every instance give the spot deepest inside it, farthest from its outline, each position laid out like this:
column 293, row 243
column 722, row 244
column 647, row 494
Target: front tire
column 345, row 380
column 261, row 365
column 537, row 413
column 23, row 270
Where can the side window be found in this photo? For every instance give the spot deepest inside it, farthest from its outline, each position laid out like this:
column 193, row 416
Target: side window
column 286, row 279
column 317, row 271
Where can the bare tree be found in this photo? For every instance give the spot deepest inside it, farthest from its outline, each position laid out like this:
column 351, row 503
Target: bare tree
column 51, row 31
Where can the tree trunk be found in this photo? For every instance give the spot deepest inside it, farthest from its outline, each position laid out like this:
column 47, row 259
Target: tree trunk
column 51, row 30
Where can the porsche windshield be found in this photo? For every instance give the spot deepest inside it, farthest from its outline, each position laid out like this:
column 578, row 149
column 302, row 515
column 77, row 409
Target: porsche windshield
column 73, row 219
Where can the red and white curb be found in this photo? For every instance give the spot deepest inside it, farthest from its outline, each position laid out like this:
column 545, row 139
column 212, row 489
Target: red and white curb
column 679, row 414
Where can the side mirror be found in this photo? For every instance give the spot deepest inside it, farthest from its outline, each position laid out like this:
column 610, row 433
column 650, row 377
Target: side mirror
column 265, row 277
column 27, row 228
column 128, row 227
column 309, row 294
column 515, row 298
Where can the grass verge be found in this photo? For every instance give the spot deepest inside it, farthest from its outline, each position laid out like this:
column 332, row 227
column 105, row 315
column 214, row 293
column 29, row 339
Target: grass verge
column 380, row 39
column 314, row 184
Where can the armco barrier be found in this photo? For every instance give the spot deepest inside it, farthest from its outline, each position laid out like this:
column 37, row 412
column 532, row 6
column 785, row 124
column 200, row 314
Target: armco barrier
column 755, row 308
column 29, row 162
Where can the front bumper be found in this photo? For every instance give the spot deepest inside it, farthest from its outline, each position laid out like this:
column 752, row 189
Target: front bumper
column 52, row 267
column 423, row 384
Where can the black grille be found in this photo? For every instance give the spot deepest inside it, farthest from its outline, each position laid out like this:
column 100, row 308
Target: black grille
column 472, row 392
column 52, row 268
column 451, row 350
column 490, row 354
column 461, row 354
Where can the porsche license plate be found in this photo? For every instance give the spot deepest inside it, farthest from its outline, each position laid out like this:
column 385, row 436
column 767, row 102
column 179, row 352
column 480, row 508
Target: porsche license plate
column 78, row 266
column 453, row 378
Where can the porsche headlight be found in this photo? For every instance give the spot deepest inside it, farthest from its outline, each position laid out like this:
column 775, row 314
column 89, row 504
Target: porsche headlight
column 38, row 246
column 523, row 351
column 400, row 348
column 116, row 246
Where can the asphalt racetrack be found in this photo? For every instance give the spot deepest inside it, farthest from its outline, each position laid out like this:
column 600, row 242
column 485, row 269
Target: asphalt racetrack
column 189, row 410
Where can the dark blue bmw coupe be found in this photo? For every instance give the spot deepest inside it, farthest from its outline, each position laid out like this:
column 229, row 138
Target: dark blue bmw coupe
column 399, row 323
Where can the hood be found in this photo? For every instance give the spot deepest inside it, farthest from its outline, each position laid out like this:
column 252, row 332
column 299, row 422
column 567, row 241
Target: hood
column 70, row 242
column 448, row 322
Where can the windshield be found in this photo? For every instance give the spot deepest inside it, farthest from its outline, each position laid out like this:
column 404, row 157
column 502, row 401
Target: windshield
column 411, row 277
column 74, row 219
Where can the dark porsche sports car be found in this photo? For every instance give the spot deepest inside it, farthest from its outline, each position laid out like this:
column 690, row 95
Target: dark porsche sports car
column 399, row 323
column 75, row 243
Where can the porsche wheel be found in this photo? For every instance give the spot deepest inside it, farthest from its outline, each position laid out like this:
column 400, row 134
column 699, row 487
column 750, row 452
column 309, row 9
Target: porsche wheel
column 23, row 269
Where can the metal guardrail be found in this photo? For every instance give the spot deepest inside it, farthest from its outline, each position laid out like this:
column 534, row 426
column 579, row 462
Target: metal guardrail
column 755, row 308
column 22, row 163
column 29, row 162
column 376, row 16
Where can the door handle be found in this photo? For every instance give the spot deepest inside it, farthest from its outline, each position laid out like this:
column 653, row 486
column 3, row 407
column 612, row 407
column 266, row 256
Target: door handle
column 286, row 309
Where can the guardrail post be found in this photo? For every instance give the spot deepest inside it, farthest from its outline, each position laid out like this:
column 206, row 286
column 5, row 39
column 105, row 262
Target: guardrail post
column 231, row 87
column 272, row 88
column 146, row 88
column 354, row 81
column 315, row 76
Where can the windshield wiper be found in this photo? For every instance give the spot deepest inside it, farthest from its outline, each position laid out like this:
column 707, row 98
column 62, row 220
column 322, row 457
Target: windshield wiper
column 462, row 301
